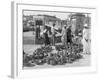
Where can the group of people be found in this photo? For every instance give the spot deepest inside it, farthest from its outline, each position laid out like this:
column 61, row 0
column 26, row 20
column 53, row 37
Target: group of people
column 49, row 33
column 66, row 35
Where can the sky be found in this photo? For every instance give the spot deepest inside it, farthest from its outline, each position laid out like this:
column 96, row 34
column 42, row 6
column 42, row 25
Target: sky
column 62, row 16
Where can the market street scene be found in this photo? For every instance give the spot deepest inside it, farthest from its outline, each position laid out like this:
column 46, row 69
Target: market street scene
column 56, row 39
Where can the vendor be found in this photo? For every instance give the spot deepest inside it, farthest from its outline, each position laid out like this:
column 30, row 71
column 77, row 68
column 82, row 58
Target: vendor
column 69, row 36
column 46, row 36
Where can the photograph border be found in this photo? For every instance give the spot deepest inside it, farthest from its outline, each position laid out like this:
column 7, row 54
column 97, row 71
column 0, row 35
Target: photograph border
column 15, row 71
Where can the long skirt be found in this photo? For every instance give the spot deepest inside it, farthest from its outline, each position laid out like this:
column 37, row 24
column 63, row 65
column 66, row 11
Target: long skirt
column 64, row 40
column 69, row 40
column 86, row 46
column 47, row 40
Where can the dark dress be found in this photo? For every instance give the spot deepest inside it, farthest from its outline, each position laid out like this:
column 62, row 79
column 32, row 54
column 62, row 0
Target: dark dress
column 46, row 40
column 69, row 40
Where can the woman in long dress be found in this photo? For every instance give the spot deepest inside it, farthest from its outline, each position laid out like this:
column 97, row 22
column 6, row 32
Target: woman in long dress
column 64, row 35
column 86, row 40
column 69, row 35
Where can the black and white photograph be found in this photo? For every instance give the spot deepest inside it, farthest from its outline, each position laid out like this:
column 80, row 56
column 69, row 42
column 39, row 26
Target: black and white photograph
column 56, row 39
column 50, row 40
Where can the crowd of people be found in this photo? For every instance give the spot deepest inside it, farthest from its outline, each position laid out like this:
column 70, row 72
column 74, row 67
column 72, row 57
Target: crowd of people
column 49, row 35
